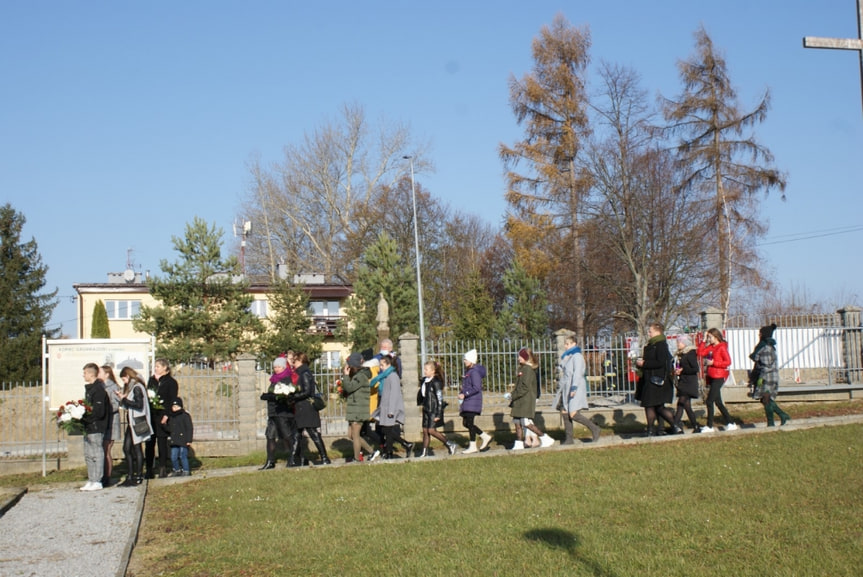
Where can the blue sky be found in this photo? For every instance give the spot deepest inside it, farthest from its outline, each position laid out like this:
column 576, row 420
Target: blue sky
column 120, row 122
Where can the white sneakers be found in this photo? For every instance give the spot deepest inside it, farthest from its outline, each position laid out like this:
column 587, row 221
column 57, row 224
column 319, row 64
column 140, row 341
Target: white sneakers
column 471, row 448
column 90, row 486
column 518, row 446
column 546, row 441
column 731, row 427
column 486, row 439
column 708, row 430
column 375, row 456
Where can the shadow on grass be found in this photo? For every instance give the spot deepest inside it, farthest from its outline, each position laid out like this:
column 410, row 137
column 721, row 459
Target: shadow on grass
column 554, row 538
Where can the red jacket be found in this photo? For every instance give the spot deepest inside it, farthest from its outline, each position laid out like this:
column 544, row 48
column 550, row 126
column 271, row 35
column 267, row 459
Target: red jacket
column 720, row 356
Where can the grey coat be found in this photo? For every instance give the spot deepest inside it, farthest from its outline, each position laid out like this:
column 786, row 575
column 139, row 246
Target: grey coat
column 572, row 387
column 391, row 411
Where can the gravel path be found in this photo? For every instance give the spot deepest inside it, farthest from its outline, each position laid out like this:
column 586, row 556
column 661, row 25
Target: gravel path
column 59, row 530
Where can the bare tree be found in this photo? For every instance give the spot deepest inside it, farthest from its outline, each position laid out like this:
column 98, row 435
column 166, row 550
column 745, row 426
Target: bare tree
column 307, row 208
column 645, row 242
column 722, row 159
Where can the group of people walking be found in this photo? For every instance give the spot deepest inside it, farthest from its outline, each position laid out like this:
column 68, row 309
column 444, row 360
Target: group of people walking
column 151, row 420
column 661, row 373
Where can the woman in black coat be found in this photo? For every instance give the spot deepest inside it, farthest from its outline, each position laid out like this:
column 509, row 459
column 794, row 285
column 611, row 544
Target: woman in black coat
column 687, row 382
column 305, row 416
column 655, row 387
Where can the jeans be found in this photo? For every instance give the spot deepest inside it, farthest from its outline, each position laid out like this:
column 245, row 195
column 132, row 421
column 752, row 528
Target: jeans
column 180, row 456
column 94, row 457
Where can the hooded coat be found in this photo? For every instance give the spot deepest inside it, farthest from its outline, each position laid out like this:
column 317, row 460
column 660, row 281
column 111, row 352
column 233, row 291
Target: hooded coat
column 471, row 388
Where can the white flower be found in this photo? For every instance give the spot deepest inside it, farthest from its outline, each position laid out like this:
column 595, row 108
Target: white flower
column 65, row 417
column 283, row 389
column 76, row 412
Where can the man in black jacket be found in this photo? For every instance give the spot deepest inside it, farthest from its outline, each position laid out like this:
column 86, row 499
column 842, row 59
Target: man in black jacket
column 95, row 425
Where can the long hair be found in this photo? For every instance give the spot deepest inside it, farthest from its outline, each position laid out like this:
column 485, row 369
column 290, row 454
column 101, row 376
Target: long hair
column 717, row 334
column 109, row 370
column 302, row 358
column 133, row 377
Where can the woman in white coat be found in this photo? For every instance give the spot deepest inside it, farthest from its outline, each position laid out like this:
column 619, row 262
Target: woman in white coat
column 572, row 391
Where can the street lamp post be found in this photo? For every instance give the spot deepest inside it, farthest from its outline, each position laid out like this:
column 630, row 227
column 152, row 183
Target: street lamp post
column 418, row 258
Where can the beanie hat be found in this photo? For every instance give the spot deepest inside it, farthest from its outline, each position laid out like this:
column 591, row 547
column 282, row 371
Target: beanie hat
column 355, row 360
column 523, row 354
column 766, row 332
column 178, row 402
column 471, row 356
column 280, row 362
column 684, row 339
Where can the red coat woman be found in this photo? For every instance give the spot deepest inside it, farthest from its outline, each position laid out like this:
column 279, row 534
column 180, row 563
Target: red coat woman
column 714, row 356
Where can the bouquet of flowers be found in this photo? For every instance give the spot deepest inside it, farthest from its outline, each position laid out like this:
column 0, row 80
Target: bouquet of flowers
column 155, row 400
column 281, row 390
column 71, row 416
column 340, row 390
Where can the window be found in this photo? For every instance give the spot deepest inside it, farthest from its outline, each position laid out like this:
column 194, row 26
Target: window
column 330, row 360
column 324, row 308
column 259, row 308
column 122, row 310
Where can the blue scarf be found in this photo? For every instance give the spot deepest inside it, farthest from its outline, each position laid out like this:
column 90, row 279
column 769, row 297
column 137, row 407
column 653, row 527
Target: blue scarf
column 379, row 380
column 572, row 351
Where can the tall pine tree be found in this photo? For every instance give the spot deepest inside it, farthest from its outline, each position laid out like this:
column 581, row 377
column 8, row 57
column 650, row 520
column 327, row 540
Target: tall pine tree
column 525, row 312
column 382, row 272
column 473, row 310
column 24, row 309
column 205, row 308
column 289, row 324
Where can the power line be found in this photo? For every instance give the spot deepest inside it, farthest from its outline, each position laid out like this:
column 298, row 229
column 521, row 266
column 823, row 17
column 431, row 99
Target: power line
column 798, row 236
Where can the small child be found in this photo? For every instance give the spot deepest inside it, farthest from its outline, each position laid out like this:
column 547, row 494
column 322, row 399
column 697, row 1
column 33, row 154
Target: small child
column 180, row 425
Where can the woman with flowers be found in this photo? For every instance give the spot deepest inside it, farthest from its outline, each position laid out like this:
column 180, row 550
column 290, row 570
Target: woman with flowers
column 166, row 390
column 355, row 390
column 280, row 415
column 134, row 399
column 306, row 417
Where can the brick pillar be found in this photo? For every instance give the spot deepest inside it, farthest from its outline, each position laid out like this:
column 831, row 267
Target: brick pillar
column 248, row 402
column 408, row 352
column 851, row 344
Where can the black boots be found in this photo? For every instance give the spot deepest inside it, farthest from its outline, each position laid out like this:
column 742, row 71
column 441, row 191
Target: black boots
column 315, row 436
column 268, row 465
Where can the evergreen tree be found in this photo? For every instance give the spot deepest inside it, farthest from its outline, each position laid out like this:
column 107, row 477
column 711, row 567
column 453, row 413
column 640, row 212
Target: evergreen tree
column 473, row 310
column 24, row 309
column 204, row 306
column 289, row 324
column 525, row 311
column 100, row 328
column 382, row 272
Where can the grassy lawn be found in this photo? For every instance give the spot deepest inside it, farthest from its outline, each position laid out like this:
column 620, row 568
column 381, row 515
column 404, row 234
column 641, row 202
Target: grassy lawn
column 784, row 503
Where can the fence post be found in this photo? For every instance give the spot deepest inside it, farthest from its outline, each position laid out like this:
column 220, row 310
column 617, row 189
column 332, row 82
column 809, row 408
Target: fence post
column 851, row 343
column 712, row 318
column 247, row 398
column 410, row 381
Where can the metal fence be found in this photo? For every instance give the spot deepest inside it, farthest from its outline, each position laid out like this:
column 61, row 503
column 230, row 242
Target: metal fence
column 25, row 426
column 211, row 397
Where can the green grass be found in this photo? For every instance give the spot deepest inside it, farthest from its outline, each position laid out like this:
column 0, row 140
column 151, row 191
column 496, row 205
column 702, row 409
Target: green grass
column 784, row 503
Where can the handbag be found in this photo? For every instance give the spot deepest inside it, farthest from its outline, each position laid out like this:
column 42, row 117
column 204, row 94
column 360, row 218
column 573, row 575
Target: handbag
column 657, row 380
column 141, row 426
column 319, row 403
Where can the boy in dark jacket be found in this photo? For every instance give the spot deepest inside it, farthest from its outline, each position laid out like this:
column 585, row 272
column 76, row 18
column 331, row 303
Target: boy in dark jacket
column 180, row 425
column 95, row 425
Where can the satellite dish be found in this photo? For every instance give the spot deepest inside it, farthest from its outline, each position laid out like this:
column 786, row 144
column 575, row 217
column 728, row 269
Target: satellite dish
column 128, row 275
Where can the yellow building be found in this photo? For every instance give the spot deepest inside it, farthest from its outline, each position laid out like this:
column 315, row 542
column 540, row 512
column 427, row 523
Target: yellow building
column 125, row 293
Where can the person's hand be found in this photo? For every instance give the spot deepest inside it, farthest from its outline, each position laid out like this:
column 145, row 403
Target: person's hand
column 708, row 362
column 678, row 371
column 572, row 394
column 164, row 419
column 461, row 396
column 639, row 363
column 437, row 419
column 390, row 415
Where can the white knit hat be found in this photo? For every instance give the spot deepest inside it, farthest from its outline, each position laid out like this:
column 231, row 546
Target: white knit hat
column 471, row 356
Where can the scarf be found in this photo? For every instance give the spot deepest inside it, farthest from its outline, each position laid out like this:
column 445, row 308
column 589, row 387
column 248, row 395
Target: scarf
column 276, row 377
column 379, row 380
column 761, row 344
column 572, row 351
column 656, row 339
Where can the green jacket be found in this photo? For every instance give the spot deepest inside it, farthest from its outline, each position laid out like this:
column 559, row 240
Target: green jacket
column 524, row 394
column 356, row 390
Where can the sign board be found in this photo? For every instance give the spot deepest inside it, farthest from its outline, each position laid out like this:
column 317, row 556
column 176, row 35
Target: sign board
column 66, row 359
